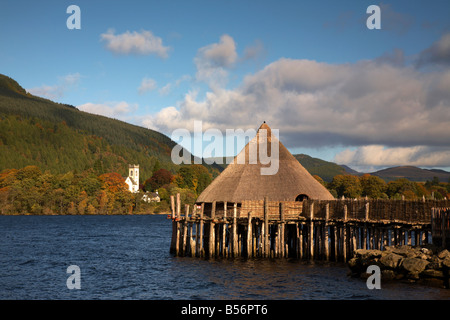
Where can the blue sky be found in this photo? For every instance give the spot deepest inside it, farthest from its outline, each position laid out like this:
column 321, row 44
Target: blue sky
column 312, row 69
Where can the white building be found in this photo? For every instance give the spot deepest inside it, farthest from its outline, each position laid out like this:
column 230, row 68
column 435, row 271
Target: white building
column 133, row 178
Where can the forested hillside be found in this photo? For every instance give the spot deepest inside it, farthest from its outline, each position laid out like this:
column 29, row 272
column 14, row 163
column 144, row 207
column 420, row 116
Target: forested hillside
column 61, row 138
column 56, row 159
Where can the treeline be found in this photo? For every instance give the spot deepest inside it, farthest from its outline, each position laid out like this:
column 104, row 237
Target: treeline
column 31, row 191
column 351, row 186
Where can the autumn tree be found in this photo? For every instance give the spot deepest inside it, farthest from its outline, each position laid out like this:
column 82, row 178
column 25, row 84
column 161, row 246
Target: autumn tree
column 348, row 186
column 372, row 186
column 160, row 178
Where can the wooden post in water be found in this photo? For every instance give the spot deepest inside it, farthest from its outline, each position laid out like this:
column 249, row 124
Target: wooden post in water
column 174, row 227
column 185, row 244
column 200, row 248
column 282, row 236
column 177, row 219
column 344, row 235
column 211, row 243
column 311, row 231
column 327, row 246
column 234, row 236
column 249, row 235
column 266, row 229
column 224, row 230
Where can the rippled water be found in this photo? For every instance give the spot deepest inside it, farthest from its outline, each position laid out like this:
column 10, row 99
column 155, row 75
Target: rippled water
column 127, row 257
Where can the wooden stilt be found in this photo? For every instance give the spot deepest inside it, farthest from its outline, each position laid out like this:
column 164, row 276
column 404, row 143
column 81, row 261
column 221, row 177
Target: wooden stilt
column 224, row 229
column 266, row 229
column 344, row 235
column 249, row 235
column 311, row 231
column 234, row 236
column 282, row 227
column 174, row 226
column 211, row 244
column 185, row 244
column 201, row 251
column 326, row 243
column 177, row 219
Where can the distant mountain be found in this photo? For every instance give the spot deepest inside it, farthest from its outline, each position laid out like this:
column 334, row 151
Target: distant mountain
column 60, row 138
column 412, row 173
column 351, row 171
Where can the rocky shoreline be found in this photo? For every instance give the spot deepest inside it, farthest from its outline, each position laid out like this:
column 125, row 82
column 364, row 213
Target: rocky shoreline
column 425, row 264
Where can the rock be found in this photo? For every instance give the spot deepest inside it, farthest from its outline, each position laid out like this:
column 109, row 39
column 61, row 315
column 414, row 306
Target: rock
column 446, row 262
column 402, row 250
column 423, row 256
column 435, row 263
column 426, row 251
column 444, row 254
column 430, row 273
column 387, row 274
column 365, row 254
column 413, row 265
column 391, row 260
column 413, row 276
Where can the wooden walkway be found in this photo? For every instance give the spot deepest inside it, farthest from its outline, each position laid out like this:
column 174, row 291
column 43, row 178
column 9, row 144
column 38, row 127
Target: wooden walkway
column 312, row 229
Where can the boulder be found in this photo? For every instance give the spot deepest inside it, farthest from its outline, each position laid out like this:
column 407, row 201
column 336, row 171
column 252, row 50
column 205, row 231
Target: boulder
column 430, row 273
column 365, row 254
column 402, row 250
column 444, row 254
column 390, row 260
column 387, row 274
column 446, row 262
column 414, row 265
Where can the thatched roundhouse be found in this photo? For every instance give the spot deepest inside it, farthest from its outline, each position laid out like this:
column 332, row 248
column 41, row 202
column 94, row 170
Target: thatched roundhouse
column 243, row 180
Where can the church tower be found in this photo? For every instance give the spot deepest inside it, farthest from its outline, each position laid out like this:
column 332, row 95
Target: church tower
column 133, row 177
column 133, row 172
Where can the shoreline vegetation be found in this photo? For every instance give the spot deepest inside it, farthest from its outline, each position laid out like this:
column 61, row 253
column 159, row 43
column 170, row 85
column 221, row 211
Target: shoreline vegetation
column 29, row 191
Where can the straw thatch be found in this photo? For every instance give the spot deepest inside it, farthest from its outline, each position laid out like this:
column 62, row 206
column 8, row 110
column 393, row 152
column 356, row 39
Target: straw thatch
column 243, row 181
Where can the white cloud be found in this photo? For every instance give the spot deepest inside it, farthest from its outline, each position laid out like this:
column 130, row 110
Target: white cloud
column 58, row 90
column 380, row 156
column 212, row 62
column 319, row 105
column 147, row 85
column 142, row 43
column 118, row 110
column 386, row 109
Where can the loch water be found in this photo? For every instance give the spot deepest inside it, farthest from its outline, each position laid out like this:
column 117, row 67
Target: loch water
column 127, row 257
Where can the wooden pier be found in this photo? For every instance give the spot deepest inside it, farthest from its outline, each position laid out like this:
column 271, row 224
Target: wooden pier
column 312, row 229
column 440, row 226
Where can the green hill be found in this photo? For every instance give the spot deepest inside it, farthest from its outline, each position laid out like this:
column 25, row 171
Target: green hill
column 324, row 169
column 60, row 138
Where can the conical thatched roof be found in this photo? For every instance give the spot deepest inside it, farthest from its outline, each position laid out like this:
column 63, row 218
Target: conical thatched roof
column 243, row 181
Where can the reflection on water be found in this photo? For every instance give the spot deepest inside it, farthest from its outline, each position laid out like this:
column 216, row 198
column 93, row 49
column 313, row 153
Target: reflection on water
column 127, row 257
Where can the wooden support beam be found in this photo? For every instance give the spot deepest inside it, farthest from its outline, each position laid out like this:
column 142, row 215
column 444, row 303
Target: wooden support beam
column 311, row 231
column 249, row 235
column 282, row 236
column 266, row 228
column 211, row 244
column 234, row 235
column 201, row 250
column 326, row 240
column 344, row 234
column 177, row 219
column 224, row 230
